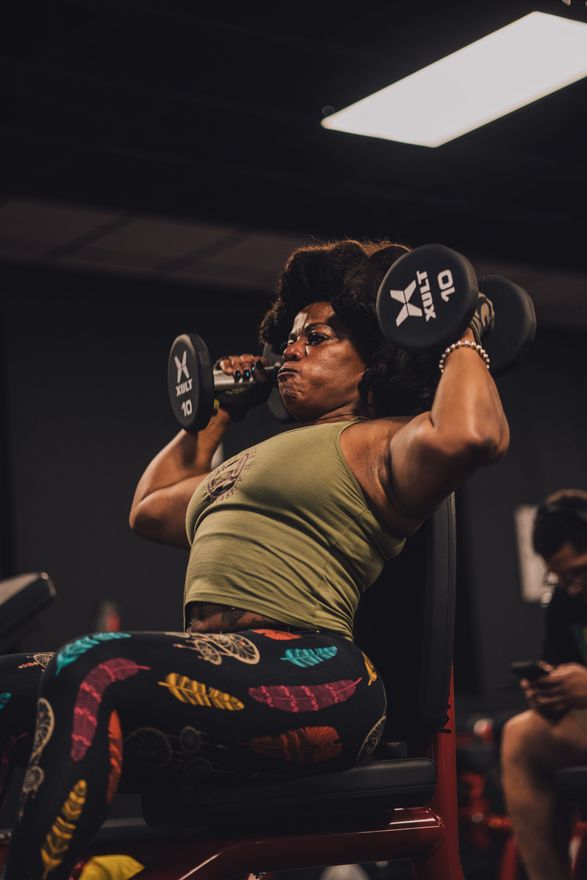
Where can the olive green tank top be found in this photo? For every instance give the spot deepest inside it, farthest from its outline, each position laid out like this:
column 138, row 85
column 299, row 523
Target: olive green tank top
column 284, row 529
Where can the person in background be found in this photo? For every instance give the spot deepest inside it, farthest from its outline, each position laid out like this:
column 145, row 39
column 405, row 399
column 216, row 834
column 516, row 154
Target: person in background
column 552, row 733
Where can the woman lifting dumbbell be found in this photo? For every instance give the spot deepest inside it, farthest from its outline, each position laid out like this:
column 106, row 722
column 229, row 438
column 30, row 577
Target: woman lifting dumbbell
column 283, row 537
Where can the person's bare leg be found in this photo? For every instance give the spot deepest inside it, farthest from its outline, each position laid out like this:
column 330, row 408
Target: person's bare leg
column 533, row 749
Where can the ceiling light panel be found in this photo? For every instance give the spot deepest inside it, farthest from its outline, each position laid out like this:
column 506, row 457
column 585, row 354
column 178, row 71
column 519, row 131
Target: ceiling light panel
column 518, row 64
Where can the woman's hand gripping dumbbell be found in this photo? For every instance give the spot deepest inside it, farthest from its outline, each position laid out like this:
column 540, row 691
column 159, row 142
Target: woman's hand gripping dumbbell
column 235, row 382
column 241, row 382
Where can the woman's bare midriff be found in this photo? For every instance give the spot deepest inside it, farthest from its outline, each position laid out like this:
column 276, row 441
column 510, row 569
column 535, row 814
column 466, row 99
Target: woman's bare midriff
column 210, row 617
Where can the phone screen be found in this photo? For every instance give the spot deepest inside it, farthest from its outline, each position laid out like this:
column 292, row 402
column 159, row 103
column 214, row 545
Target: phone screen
column 530, row 669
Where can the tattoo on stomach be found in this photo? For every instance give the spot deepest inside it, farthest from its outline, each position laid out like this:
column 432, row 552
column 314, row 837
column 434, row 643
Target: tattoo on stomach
column 212, row 617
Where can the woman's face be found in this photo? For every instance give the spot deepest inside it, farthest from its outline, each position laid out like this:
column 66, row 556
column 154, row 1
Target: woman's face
column 321, row 369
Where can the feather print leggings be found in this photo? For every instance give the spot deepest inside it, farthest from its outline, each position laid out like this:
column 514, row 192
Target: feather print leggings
column 190, row 707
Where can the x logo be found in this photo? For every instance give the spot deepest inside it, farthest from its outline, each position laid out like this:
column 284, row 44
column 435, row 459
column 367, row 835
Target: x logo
column 181, row 366
column 404, row 296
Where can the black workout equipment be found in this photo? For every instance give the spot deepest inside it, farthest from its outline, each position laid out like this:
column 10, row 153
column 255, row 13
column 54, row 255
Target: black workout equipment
column 428, row 297
column 274, row 401
column 514, row 327
column 22, row 598
column 194, row 385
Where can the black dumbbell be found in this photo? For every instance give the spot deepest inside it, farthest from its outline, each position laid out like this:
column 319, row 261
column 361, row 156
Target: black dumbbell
column 193, row 383
column 427, row 299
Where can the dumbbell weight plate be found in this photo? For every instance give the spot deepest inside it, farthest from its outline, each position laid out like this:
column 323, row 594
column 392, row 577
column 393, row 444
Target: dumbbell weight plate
column 515, row 322
column 189, row 379
column 427, row 298
column 274, row 401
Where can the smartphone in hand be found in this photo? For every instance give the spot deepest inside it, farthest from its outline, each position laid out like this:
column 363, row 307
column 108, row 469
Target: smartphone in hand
column 530, row 669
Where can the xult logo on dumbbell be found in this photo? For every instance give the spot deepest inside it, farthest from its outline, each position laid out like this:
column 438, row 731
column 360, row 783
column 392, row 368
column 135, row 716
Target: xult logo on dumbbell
column 435, row 286
column 182, row 367
column 445, row 284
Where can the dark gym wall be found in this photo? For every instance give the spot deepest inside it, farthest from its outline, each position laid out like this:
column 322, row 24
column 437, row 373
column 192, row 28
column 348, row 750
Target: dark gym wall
column 5, row 483
column 86, row 408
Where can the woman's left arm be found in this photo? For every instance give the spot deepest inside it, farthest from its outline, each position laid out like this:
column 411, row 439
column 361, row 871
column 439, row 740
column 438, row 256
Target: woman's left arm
column 434, row 453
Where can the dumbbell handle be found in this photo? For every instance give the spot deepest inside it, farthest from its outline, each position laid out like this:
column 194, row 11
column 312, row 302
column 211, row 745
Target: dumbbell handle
column 223, row 381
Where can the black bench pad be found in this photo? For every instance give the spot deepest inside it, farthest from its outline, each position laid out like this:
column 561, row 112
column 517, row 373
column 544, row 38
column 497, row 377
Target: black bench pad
column 368, row 788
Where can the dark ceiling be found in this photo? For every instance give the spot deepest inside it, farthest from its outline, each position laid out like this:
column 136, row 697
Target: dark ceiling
column 211, row 112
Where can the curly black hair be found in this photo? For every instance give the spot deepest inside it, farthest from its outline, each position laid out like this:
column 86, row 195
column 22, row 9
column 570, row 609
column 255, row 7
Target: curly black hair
column 348, row 274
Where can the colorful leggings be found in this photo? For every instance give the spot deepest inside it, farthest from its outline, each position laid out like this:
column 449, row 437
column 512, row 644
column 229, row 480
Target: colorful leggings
column 188, row 706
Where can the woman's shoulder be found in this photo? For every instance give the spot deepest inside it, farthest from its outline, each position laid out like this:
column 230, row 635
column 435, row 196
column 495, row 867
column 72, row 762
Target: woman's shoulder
column 383, row 429
column 366, row 443
column 366, row 449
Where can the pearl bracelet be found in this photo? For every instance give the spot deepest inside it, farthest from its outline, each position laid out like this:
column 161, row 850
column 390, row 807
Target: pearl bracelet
column 463, row 343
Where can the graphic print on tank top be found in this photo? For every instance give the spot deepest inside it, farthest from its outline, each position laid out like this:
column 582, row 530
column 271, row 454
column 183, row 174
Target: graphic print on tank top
column 223, row 481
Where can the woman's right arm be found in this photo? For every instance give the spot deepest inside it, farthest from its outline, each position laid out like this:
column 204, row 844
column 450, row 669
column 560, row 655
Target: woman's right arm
column 163, row 492
column 436, row 452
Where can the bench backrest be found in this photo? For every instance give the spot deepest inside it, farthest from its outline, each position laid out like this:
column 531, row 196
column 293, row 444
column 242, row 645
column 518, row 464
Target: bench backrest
column 405, row 624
